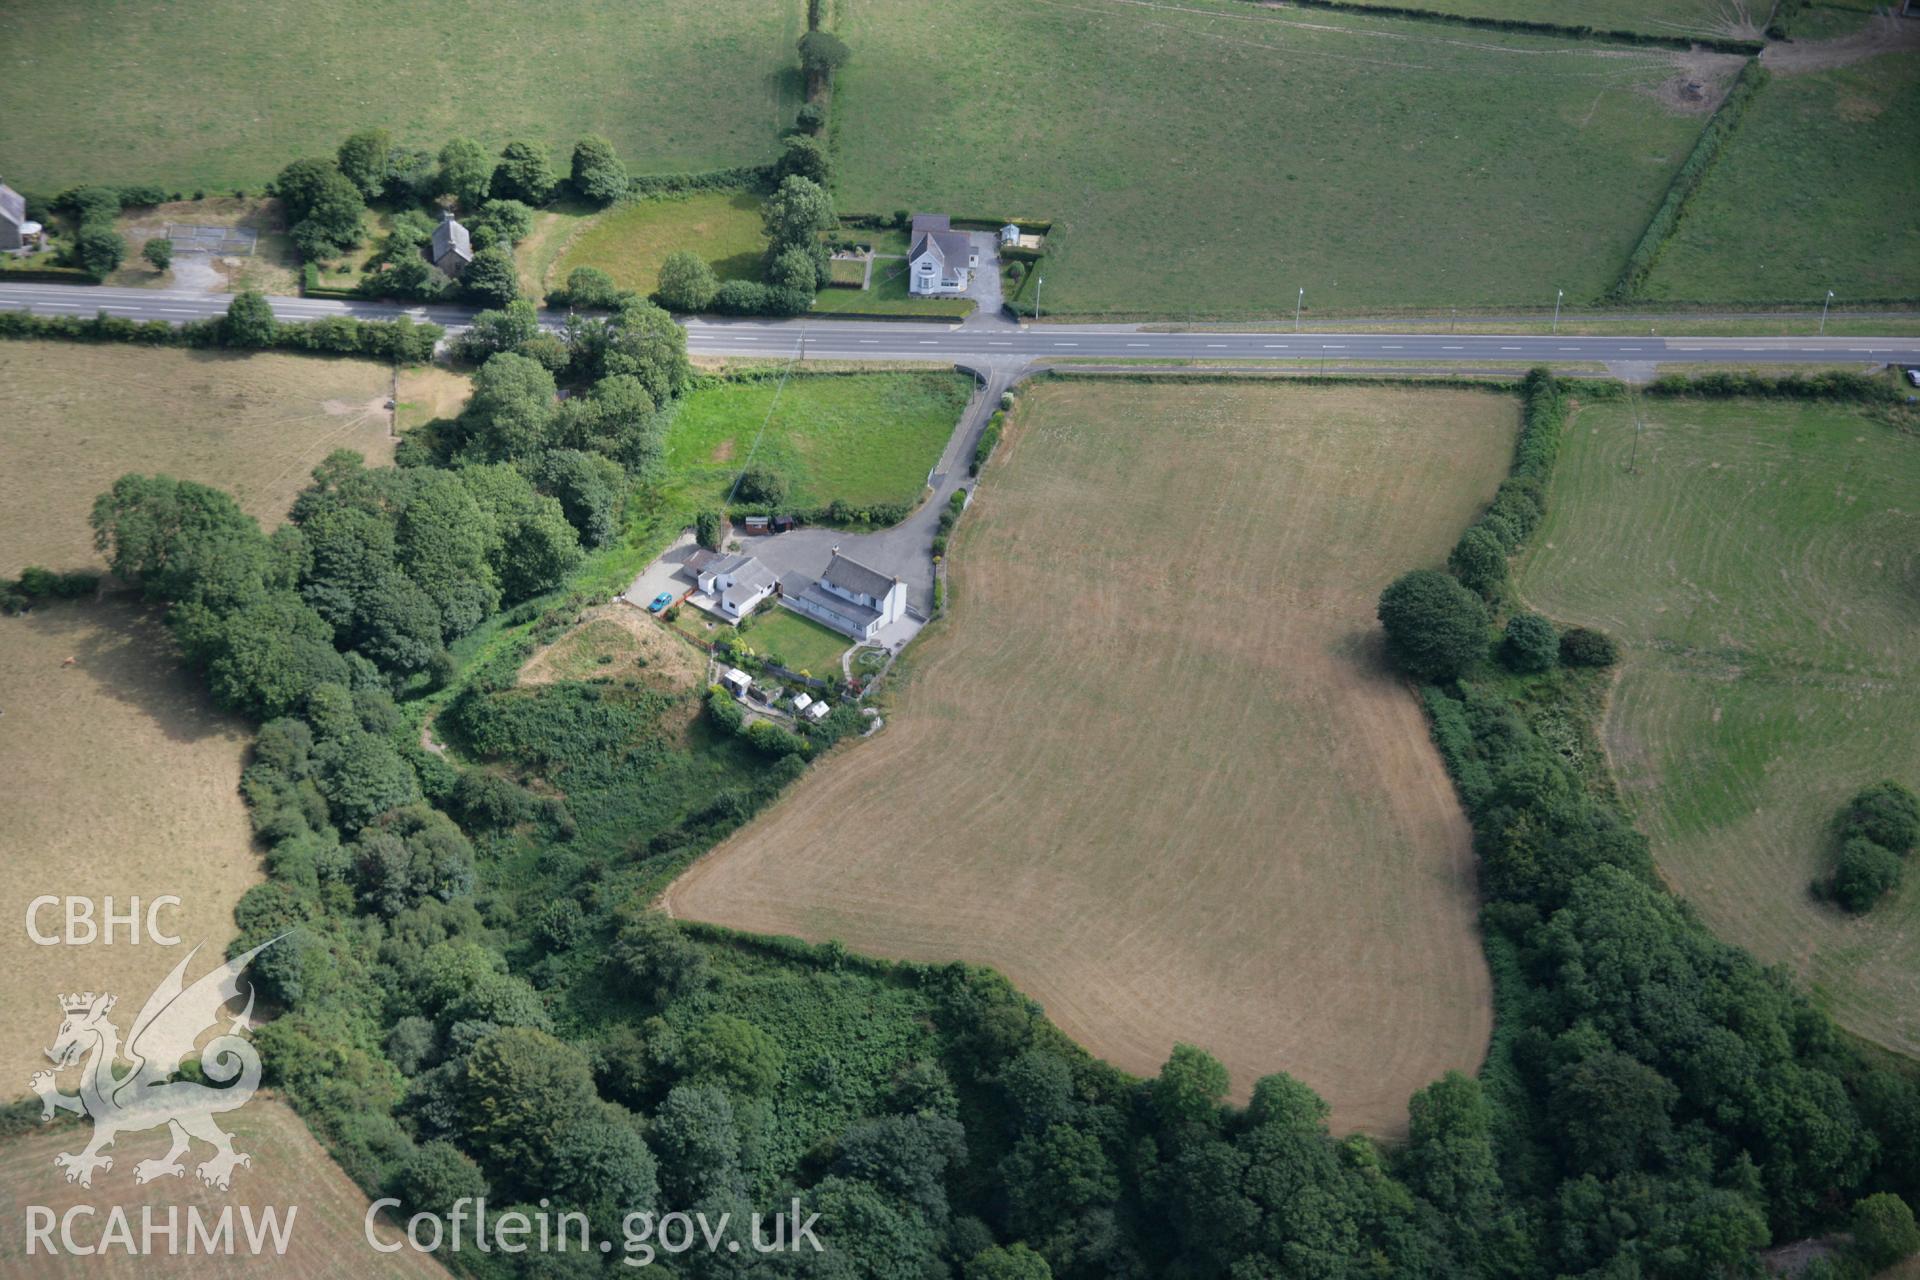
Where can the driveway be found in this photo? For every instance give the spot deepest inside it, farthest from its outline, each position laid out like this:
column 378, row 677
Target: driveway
column 904, row 551
column 983, row 287
column 664, row 574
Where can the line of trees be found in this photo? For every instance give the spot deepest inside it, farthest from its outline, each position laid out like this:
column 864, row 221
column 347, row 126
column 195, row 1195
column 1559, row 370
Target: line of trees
column 1657, row 1104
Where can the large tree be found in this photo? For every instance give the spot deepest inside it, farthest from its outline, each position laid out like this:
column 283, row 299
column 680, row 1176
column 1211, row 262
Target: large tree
column 521, row 1090
column 525, row 173
column 362, row 158
column 511, row 411
column 598, row 174
column 322, row 207
column 1436, row 628
column 249, row 321
column 491, row 279
column 687, row 283
column 465, row 173
column 797, row 212
column 822, row 52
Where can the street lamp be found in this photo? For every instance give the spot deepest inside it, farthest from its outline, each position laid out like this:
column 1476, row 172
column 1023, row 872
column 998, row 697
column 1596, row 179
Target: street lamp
column 1037, row 282
column 1823, row 313
column 1296, row 308
column 1557, row 295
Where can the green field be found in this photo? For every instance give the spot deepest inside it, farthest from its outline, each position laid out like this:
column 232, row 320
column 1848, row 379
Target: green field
column 800, row 644
column 1759, row 565
column 1212, row 157
column 1818, row 189
column 1725, row 18
column 630, row 242
column 222, row 93
column 865, row 438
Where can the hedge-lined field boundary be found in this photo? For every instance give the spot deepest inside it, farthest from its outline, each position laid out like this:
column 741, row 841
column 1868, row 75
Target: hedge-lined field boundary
column 402, row 341
column 1610, row 35
column 1666, row 219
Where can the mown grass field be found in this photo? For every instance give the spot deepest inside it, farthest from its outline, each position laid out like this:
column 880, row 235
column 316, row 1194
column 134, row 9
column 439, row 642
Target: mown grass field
column 1153, row 768
column 1734, row 19
column 1759, row 566
column 1818, row 189
column 289, row 1169
column 222, row 93
column 629, row 242
column 1212, row 157
column 866, row 438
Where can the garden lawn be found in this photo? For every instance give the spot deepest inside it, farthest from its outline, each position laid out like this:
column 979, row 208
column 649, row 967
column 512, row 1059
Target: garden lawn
column 1818, row 189
column 629, row 242
column 865, row 438
column 797, row 643
column 1758, row 566
column 1211, row 157
column 222, row 93
column 887, row 296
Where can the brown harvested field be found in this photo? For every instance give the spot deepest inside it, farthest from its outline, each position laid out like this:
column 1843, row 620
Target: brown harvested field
column 289, row 1168
column 74, row 418
column 1153, row 768
column 122, row 778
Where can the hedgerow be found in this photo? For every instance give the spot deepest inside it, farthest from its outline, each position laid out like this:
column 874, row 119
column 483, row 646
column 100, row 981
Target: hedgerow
column 1687, row 180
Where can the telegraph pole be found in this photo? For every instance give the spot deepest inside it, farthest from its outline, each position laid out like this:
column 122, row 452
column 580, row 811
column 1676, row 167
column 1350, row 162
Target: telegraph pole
column 1633, row 460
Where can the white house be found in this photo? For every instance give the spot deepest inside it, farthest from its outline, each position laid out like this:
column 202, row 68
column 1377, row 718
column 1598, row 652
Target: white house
column 940, row 260
column 849, row 597
column 736, row 682
column 13, row 219
column 733, row 585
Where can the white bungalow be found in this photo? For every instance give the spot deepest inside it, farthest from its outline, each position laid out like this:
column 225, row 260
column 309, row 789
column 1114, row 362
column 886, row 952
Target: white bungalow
column 731, row 586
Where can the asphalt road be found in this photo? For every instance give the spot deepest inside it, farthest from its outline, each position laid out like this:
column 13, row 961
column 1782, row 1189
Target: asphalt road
column 984, row 339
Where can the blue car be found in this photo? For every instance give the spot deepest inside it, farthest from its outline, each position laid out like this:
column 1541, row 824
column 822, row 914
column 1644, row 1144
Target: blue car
column 660, row 602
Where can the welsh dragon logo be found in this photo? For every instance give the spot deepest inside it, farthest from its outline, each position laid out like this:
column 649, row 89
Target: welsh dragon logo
column 146, row 1096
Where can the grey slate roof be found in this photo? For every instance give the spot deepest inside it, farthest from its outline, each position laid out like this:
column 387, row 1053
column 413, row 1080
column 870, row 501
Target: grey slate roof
column 851, row 618
column 13, row 205
column 951, row 249
column 851, row 575
column 451, row 235
column 931, row 233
